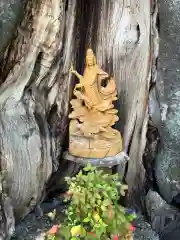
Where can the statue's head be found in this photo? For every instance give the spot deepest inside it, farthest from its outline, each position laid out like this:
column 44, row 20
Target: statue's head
column 90, row 58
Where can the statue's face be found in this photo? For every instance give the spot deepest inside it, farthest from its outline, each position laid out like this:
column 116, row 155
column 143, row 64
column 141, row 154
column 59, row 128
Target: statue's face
column 90, row 58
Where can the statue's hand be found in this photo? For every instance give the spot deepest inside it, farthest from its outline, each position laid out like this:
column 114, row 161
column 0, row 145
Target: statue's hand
column 79, row 76
column 79, row 85
column 72, row 69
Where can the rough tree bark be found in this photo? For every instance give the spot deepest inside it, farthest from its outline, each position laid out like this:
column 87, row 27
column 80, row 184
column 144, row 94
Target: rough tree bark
column 119, row 32
column 37, row 85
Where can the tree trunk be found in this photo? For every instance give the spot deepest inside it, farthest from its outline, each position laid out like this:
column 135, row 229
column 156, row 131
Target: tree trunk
column 37, row 86
column 119, row 33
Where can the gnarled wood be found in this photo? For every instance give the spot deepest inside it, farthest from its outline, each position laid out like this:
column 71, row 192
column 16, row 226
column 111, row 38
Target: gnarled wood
column 119, row 33
column 37, row 87
column 38, row 81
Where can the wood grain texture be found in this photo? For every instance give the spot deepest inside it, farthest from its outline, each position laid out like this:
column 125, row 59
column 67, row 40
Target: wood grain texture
column 37, row 87
column 31, row 131
column 119, row 33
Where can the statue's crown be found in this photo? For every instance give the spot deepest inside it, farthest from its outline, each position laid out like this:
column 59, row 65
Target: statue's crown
column 90, row 57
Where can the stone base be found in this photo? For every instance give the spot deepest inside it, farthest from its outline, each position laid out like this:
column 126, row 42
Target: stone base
column 119, row 159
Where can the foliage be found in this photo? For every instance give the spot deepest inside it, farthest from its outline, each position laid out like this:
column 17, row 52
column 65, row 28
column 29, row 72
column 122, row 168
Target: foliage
column 94, row 211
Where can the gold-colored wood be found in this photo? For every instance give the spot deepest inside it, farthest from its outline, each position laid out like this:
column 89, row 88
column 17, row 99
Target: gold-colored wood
column 90, row 131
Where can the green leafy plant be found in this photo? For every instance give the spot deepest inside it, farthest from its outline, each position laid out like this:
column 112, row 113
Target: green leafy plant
column 94, row 211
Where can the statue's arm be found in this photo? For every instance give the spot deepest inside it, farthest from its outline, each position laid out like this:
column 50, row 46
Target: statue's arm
column 79, row 76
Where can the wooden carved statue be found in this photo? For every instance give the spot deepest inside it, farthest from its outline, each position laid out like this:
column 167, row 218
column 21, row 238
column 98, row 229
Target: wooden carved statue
column 90, row 131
